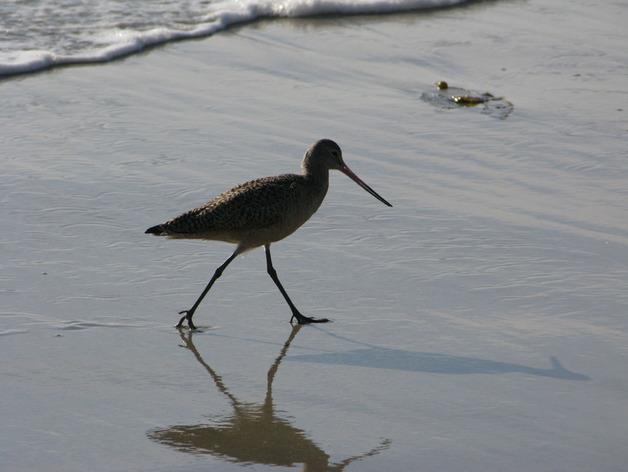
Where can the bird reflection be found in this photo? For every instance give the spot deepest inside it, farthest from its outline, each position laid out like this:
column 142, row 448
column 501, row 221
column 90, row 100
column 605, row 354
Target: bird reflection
column 254, row 433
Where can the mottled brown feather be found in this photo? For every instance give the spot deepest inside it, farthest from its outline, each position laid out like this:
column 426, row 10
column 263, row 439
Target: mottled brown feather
column 257, row 204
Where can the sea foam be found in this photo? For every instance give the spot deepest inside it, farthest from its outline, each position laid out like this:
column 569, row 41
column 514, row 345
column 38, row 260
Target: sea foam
column 103, row 45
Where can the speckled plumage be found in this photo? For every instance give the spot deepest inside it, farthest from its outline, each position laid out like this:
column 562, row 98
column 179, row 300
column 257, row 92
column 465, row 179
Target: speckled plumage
column 253, row 213
column 261, row 212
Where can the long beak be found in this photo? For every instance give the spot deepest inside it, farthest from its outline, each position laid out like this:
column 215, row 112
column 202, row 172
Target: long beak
column 349, row 173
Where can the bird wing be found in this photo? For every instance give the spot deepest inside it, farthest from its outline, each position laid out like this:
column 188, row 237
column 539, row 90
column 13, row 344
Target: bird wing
column 255, row 204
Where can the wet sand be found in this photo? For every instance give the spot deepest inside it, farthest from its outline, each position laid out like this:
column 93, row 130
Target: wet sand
column 479, row 324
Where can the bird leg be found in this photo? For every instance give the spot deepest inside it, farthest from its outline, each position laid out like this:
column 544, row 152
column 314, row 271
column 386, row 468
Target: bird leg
column 295, row 313
column 187, row 314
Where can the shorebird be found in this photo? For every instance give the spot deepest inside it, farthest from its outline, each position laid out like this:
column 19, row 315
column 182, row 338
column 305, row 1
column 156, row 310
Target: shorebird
column 260, row 212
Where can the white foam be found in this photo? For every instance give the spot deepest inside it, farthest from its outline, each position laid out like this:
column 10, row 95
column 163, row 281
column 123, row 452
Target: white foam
column 118, row 43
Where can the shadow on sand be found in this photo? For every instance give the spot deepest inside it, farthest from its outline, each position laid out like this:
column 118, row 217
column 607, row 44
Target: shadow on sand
column 435, row 363
column 254, row 433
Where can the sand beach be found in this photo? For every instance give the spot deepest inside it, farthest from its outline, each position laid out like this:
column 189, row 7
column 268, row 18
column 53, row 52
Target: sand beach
column 478, row 325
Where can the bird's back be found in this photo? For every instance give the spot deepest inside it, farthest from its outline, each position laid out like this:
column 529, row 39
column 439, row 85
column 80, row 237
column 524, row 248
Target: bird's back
column 269, row 205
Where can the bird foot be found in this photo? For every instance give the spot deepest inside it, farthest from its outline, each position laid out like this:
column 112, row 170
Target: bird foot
column 307, row 319
column 187, row 315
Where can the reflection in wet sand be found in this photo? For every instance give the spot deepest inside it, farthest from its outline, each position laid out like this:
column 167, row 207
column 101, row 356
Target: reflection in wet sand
column 254, row 433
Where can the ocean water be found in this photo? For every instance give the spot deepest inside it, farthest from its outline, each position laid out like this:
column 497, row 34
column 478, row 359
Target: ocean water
column 41, row 34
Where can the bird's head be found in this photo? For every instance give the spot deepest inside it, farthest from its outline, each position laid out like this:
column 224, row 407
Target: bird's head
column 325, row 155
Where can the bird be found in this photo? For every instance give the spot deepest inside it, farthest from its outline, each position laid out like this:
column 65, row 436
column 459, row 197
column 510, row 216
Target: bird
column 261, row 212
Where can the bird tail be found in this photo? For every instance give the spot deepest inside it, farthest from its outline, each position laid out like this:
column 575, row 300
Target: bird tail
column 157, row 230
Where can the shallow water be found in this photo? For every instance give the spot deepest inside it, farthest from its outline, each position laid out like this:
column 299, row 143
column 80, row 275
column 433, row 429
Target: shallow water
column 479, row 324
column 39, row 35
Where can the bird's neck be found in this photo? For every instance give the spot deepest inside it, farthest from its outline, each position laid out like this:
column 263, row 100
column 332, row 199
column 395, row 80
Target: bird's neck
column 317, row 174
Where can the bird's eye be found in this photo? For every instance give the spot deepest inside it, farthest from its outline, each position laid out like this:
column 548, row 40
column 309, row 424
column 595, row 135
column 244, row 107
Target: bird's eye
column 335, row 154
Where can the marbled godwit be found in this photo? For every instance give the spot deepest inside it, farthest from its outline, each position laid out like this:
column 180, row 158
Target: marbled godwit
column 261, row 212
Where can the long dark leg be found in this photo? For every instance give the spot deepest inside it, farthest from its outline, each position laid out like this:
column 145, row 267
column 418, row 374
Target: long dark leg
column 187, row 314
column 295, row 313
